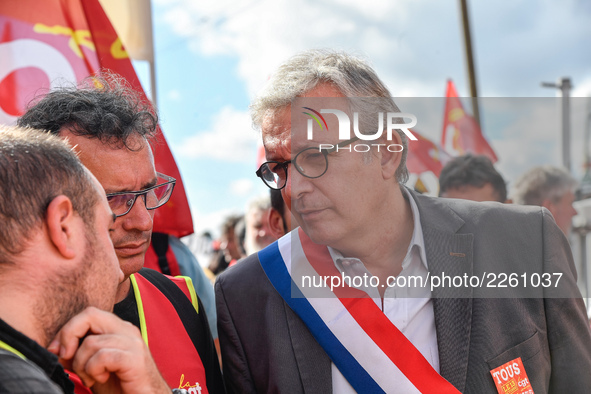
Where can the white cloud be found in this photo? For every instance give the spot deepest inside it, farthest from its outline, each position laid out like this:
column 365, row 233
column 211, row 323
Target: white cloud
column 231, row 138
column 582, row 88
column 534, row 137
column 242, row 187
column 262, row 34
column 414, row 45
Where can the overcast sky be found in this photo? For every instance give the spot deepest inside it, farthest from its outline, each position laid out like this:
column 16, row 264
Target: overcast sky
column 213, row 57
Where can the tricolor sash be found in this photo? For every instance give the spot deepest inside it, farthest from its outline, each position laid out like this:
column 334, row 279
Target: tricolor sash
column 371, row 352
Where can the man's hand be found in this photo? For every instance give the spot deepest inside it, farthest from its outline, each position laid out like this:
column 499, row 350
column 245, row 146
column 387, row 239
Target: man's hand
column 108, row 354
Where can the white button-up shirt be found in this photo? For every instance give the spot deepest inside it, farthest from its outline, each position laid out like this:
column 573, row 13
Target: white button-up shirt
column 410, row 309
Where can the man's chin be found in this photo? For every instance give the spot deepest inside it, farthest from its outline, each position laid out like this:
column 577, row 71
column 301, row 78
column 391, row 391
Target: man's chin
column 319, row 235
column 131, row 264
column 108, row 304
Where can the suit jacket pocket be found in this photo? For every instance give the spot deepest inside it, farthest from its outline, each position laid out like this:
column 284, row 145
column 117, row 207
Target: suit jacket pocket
column 526, row 350
column 534, row 354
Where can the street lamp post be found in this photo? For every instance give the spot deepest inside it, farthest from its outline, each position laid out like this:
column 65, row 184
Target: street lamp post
column 565, row 86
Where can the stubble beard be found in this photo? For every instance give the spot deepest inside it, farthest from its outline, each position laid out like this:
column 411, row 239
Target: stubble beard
column 66, row 293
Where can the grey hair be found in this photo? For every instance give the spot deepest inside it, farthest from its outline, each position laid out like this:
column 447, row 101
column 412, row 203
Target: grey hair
column 351, row 75
column 542, row 183
column 260, row 203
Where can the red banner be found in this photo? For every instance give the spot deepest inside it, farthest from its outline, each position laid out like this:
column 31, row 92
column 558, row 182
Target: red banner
column 461, row 134
column 424, row 155
column 46, row 43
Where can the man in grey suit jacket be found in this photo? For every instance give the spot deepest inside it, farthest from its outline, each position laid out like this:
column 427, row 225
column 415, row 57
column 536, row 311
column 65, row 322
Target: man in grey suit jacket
column 468, row 338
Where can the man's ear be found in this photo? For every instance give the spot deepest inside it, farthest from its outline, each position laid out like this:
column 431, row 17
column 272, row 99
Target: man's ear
column 61, row 226
column 390, row 155
column 276, row 223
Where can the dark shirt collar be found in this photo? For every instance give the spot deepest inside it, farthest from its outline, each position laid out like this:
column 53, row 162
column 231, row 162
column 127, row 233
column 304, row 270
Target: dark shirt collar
column 36, row 354
column 127, row 309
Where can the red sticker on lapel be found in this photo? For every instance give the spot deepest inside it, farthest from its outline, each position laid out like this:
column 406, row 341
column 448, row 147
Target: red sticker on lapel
column 510, row 378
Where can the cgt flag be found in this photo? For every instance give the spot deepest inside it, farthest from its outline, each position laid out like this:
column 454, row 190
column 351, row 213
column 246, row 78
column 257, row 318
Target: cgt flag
column 461, row 134
column 46, row 43
column 424, row 155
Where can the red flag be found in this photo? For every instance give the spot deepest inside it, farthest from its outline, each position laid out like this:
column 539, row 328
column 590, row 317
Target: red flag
column 424, row 155
column 461, row 134
column 44, row 43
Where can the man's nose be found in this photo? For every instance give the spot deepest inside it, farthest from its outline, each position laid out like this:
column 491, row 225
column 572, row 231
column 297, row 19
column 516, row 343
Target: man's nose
column 286, row 191
column 573, row 211
column 297, row 184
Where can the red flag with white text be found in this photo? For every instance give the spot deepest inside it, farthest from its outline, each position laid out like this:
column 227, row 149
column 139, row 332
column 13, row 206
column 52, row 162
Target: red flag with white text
column 46, row 43
column 461, row 133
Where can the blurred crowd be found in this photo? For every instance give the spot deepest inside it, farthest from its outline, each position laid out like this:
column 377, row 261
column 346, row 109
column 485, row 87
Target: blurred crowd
column 265, row 220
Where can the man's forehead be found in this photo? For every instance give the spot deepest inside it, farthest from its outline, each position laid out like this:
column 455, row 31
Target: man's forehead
column 276, row 122
column 102, row 196
column 276, row 130
column 286, row 128
column 95, row 182
column 133, row 142
column 92, row 147
column 115, row 166
column 256, row 214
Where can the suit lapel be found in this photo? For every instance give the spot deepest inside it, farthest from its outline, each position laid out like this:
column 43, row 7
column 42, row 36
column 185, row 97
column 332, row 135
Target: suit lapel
column 450, row 254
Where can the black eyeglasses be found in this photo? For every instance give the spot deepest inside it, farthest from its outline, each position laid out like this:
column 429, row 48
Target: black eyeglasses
column 311, row 162
column 154, row 197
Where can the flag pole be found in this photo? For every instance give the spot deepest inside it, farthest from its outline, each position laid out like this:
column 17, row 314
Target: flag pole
column 153, row 94
column 470, row 60
column 152, row 60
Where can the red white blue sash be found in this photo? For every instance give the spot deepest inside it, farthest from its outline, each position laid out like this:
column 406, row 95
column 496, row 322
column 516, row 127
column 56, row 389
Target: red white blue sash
column 370, row 352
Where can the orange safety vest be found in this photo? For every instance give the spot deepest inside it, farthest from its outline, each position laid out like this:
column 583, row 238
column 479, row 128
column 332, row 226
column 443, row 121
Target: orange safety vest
column 164, row 333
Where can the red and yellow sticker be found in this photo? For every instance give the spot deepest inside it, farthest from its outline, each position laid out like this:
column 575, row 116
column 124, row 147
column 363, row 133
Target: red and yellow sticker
column 511, row 378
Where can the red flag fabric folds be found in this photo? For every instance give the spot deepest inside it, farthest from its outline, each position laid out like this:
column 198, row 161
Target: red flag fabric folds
column 424, row 155
column 461, row 134
column 46, row 43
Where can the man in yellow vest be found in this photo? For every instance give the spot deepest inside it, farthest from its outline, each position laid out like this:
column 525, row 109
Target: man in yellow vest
column 57, row 266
